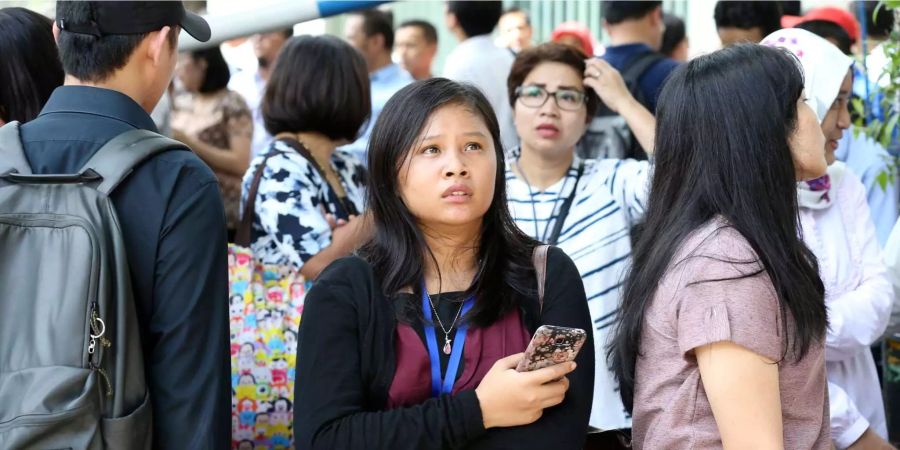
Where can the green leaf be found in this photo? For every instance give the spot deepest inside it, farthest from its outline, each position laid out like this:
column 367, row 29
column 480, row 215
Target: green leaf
column 888, row 130
column 882, row 179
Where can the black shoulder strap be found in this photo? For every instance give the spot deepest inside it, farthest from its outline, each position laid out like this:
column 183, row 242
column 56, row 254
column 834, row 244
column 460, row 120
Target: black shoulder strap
column 639, row 64
column 244, row 228
column 348, row 208
column 564, row 209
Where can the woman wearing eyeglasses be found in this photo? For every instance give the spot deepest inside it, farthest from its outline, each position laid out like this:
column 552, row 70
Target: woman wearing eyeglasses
column 585, row 207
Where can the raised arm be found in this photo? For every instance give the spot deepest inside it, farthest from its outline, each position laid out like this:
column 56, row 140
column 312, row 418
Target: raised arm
column 606, row 81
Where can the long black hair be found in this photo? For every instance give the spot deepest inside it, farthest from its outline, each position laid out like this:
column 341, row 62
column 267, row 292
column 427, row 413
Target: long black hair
column 723, row 127
column 398, row 250
column 31, row 68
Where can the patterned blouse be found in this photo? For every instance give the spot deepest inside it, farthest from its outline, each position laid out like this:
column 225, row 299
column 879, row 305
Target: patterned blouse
column 289, row 225
column 230, row 117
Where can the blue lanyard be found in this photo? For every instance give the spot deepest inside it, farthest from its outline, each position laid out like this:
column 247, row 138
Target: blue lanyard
column 444, row 385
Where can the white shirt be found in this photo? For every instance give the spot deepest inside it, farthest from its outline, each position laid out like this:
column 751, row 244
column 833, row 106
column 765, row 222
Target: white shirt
column 892, row 262
column 858, row 296
column 610, row 199
column 251, row 86
column 479, row 62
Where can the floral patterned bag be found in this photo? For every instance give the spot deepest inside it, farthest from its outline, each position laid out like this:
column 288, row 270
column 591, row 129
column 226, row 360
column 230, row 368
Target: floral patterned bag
column 265, row 306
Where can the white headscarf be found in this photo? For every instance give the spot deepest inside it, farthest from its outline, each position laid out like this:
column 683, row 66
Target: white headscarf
column 824, row 65
column 824, row 70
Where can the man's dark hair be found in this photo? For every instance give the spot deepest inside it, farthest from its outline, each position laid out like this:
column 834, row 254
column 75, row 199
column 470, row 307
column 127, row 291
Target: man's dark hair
column 516, row 9
column 527, row 60
column 428, row 30
column 765, row 15
column 829, row 30
column 31, row 69
column 217, row 73
column 791, row 8
column 95, row 59
column 378, row 22
column 674, row 34
column 330, row 97
column 879, row 25
column 288, row 32
column 476, row 18
column 616, row 11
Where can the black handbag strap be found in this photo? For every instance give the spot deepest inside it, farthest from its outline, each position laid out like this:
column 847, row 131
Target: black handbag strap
column 242, row 234
column 564, row 209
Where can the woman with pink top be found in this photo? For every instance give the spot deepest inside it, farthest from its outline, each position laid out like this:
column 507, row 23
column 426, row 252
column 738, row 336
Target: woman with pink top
column 721, row 342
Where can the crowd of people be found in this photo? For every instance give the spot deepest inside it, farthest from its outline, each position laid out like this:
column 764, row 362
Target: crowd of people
column 317, row 227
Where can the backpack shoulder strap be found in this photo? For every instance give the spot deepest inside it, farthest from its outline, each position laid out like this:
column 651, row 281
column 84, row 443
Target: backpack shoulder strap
column 539, row 258
column 12, row 155
column 118, row 157
column 639, row 64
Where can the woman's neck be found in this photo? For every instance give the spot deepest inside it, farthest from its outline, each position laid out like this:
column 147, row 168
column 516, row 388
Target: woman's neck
column 319, row 145
column 455, row 251
column 542, row 171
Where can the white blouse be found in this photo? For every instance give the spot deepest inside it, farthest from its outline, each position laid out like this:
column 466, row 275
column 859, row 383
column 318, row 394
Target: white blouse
column 859, row 296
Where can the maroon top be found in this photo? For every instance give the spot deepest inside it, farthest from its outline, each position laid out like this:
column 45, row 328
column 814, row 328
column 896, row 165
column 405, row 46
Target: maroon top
column 484, row 346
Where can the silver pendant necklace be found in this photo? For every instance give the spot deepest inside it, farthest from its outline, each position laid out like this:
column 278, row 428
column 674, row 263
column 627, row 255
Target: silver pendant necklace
column 448, row 348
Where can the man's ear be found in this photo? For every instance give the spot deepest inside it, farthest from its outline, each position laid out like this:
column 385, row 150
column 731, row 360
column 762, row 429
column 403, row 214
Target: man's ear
column 451, row 21
column 657, row 15
column 158, row 44
column 377, row 40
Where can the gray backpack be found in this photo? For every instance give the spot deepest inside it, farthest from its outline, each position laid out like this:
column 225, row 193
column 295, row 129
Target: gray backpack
column 71, row 363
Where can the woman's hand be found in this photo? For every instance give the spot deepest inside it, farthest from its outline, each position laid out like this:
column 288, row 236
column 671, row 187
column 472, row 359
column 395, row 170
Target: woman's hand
column 509, row 398
column 606, row 81
column 349, row 234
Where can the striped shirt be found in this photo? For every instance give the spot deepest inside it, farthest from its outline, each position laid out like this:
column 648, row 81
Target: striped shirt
column 610, row 199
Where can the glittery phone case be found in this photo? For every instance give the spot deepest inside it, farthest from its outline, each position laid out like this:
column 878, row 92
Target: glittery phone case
column 551, row 345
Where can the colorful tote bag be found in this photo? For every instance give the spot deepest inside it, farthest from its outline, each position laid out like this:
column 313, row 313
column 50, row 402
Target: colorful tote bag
column 266, row 302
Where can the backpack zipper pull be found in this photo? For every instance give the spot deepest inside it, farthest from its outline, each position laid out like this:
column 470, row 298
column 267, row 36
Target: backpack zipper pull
column 109, row 391
column 98, row 329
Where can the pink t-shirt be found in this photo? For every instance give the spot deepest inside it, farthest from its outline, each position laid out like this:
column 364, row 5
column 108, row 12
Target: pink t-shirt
column 671, row 410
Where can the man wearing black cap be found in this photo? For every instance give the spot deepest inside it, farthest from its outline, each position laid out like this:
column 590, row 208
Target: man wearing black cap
column 119, row 58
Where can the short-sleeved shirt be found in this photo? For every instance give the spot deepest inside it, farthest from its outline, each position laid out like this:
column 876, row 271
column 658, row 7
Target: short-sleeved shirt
column 690, row 310
column 609, row 200
column 651, row 81
column 289, row 225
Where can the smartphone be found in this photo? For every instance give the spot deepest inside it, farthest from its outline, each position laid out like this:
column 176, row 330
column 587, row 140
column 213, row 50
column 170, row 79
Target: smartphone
column 551, row 345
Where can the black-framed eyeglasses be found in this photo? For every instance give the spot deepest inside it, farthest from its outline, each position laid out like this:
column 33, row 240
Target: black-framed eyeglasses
column 534, row 96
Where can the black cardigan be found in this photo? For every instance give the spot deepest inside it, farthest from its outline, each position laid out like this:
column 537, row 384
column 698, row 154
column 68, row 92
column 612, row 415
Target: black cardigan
column 346, row 363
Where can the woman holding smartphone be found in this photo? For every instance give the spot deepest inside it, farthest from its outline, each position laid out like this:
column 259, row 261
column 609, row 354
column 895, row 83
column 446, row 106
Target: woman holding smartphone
column 414, row 343
column 721, row 342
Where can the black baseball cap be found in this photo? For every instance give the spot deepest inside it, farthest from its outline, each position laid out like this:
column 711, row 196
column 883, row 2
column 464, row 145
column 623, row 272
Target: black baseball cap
column 120, row 17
